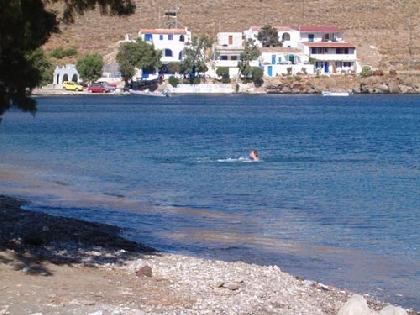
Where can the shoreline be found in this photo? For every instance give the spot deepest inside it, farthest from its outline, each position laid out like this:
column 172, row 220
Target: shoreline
column 55, row 250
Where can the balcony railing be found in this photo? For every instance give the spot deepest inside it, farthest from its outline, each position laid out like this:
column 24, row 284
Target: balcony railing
column 332, row 57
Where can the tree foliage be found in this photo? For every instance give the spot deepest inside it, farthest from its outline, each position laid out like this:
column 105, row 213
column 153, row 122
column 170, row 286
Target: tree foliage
column 42, row 65
column 223, row 73
column 268, row 36
column 61, row 52
column 250, row 53
column 90, row 67
column 26, row 25
column 257, row 76
column 195, row 57
column 139, row 54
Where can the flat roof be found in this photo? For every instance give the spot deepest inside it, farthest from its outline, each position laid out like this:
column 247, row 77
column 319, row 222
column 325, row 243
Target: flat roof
column 281, row 28
column 164, row 31
column 318, row 28
column 280, row 49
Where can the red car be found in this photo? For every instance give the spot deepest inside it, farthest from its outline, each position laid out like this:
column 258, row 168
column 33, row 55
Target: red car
column 97, row 88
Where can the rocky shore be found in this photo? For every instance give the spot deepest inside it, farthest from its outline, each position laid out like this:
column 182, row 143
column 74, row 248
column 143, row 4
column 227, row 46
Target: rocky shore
column 376, row 84
column 55, row 265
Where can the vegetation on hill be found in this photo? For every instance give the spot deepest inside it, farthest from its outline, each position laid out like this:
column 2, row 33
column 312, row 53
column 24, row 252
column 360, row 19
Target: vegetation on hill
column 381, row 29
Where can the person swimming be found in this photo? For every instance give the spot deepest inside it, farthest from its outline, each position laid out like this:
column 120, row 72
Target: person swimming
column 254, row 156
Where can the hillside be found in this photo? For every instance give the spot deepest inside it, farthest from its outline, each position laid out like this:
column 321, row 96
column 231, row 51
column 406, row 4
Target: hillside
column 387, row 32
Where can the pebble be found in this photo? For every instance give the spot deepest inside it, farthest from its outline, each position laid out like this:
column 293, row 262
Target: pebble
column 145, row 271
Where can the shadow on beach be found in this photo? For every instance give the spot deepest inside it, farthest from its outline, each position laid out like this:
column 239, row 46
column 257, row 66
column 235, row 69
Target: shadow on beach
column 30, row 240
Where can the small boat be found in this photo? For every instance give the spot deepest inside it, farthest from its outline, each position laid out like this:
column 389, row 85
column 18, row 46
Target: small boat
column 150, row 93
column 328, row 93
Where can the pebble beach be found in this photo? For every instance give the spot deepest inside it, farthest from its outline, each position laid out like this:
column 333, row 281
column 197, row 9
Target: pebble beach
column 54, row 265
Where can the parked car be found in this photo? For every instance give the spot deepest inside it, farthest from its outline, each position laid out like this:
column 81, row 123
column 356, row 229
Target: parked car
column 108, row 86
column 72, row 86
column 96, row 88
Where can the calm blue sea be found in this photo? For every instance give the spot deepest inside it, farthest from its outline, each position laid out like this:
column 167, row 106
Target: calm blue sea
column 335, row 198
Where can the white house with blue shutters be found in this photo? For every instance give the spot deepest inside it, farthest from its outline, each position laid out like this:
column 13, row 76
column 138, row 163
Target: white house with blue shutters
column 170, row 41
column 278, row 61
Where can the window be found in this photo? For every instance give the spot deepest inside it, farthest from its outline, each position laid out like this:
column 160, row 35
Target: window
column 148, row 37
column 223, row 58
column 168, row 53
column 230, row 39
column 313, row 50
column 160, row 37
column 311, row 37
column 180, row 55
column 347, row 64
column 170, row 36
column 286, row 37
column 273, row 59
column 327, row 37
column 182, row 38
column 234, row 58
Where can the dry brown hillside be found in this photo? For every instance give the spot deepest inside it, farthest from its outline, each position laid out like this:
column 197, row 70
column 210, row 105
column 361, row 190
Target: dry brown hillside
column 387, row 32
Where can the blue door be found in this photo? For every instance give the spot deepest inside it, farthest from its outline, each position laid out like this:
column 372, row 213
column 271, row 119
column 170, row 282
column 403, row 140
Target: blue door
column 273, row 59
column 270, row 71
column 326, row 67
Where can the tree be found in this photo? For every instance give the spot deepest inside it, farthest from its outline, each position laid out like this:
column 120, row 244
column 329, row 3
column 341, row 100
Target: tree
column 257, row 76
column 90, row 67
column 139, row 55
column 250, row 53
column 44, row 69
column 269, row 37
column 195, row 57
column 223, row 73
column 26, row 25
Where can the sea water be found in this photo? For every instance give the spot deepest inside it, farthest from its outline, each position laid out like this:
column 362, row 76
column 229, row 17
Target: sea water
column 335, row 197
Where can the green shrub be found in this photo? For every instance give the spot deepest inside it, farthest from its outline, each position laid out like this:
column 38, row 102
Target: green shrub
column 70, row 52
column 366, row 71
column 223, row 73
column 257, row 76
column 173, row 67
column 173, row 81
column 60, row 52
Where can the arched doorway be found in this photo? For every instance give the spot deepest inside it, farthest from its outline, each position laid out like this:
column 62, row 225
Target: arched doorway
column 181, row 38
column 75, row 78
column 65, row 77
column 286, row 37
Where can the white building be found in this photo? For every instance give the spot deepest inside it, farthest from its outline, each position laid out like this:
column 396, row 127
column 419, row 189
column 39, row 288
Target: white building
column 288, row 35
column 284, row 60
column 227, row 51
column 319, row 33
column 65, row 73
column 333, row 57
column 170, row 41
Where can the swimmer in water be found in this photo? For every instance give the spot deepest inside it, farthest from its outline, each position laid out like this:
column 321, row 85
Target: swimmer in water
column 253, row 155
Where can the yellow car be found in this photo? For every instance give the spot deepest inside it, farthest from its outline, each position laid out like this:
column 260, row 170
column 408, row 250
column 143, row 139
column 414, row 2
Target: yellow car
column 71, row 86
